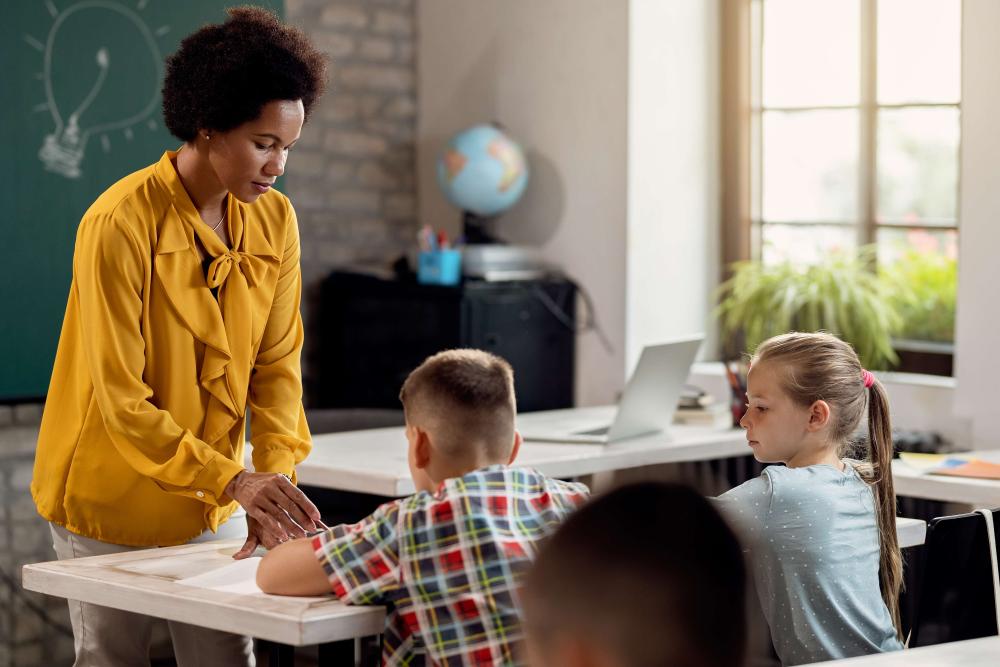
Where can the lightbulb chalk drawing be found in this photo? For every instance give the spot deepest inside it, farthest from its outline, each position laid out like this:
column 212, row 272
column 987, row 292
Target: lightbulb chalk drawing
column 63, row 150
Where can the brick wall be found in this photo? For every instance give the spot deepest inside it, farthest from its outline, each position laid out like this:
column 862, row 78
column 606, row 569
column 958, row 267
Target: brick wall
column 352, row 176
column 26, row 639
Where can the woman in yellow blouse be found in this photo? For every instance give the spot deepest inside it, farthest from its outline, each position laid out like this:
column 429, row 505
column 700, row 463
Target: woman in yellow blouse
column 183, row 315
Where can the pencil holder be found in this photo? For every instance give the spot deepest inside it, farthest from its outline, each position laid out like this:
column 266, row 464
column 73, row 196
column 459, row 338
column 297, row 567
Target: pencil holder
column 439, row 267
column 738, row 406
column 738, row 386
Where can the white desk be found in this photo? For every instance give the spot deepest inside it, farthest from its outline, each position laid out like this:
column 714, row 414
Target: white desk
column 374, row 461
column 983, row 652
column 910, row 532
column 144, row 582
column 979, row 492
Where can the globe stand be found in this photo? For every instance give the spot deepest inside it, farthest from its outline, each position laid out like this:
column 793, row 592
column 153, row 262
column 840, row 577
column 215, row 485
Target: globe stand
column 474, row 230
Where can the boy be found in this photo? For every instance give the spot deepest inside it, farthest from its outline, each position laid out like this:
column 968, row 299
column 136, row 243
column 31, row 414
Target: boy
column 448, row 560
column 646, row 575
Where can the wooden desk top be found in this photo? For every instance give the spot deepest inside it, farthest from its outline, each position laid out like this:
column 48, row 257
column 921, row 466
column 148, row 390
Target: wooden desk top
column 917, row 484
column 145, row 582
column 374, row 461
column 970, row 653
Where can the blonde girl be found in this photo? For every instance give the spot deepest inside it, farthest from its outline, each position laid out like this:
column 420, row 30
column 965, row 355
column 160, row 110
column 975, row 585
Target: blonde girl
column 820, row 530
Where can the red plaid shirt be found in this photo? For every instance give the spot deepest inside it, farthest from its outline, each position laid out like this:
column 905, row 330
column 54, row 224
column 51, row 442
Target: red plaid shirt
column 448, row 565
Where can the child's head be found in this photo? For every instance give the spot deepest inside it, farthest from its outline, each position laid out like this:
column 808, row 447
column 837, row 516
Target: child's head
column 646, row 575
column 460, row 408
column 806, row 392
column 807, row 395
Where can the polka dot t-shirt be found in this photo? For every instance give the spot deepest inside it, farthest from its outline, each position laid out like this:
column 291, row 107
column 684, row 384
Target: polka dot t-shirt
column 813, row 543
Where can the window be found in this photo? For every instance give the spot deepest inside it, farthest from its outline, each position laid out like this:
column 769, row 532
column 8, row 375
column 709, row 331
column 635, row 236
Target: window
column 853, row 139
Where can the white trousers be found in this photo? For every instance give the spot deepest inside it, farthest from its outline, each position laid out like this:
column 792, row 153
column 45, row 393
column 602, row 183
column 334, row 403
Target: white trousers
column 105, row 637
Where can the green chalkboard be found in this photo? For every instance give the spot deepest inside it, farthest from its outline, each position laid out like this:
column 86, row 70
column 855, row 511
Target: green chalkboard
column 81, row 108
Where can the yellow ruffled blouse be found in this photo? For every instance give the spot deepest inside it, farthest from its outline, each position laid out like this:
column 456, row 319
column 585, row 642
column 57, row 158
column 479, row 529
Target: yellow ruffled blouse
column 144, row 421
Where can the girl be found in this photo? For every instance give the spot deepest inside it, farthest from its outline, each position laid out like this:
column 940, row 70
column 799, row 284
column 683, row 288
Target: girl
column 821, row 529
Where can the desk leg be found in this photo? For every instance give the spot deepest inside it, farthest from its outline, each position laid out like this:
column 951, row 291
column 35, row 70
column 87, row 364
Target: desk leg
column 278, row 655
column 334, row 654
column 371, row 651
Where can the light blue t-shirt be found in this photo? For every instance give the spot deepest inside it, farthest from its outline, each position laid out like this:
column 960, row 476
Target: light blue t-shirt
column 814, row 551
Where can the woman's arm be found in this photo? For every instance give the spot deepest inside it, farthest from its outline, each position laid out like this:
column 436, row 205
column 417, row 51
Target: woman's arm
column 278, row 429
column 109, row 266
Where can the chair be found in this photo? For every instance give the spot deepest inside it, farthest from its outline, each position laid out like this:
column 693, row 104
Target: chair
column 956, row 598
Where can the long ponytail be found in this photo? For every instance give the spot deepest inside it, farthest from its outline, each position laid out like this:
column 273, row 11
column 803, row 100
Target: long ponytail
column 880, row 456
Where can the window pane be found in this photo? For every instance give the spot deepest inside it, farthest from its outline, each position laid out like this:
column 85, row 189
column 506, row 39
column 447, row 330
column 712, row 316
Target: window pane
column 920, row 268
column 805, row 244
column 810, row 53
column 810, row 166
column 894, row 243
column 919, row 51
column 917, row 165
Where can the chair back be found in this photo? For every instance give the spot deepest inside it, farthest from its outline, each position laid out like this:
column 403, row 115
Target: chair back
column 956, row 597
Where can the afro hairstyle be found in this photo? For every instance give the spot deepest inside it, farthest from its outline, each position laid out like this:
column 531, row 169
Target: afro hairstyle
column 223, row 74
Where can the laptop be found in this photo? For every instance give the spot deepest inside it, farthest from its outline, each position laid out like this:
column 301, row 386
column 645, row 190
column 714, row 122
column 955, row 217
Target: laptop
column 647, row 404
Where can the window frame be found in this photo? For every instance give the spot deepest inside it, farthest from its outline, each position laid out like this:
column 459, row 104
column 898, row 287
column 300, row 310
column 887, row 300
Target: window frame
column 741, row 132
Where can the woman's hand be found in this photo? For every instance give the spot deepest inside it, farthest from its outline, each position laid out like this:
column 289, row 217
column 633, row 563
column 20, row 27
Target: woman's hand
column 256, row 536
column 276, row 509
column 254, row 539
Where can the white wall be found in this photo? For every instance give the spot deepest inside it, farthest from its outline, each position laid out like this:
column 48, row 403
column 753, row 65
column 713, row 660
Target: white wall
column 554, row 73
column 977, row 344
column 673, row 165
column 620, row 132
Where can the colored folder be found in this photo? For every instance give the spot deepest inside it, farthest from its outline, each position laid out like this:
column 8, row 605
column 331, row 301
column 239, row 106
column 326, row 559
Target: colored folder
column 956, row 465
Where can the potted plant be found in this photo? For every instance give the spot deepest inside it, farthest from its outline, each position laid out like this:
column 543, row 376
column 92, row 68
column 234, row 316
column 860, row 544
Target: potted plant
column 840, row 294
column 923, row 286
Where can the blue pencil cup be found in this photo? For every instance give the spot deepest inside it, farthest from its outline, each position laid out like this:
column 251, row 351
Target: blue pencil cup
column 439, row 267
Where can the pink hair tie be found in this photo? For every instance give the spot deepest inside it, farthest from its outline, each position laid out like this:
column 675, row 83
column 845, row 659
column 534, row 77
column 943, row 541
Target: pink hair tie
column 868, row 378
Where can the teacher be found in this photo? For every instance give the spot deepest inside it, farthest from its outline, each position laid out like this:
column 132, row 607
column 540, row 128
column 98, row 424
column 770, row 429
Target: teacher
column 183, row 316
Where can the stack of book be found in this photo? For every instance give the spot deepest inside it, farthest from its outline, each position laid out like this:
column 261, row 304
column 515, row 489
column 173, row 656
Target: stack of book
column 698, row 408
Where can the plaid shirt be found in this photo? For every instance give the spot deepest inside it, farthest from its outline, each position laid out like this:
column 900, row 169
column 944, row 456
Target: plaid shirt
column 448, row 565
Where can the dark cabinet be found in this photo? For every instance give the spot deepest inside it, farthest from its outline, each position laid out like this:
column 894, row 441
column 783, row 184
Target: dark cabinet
column 369, row 333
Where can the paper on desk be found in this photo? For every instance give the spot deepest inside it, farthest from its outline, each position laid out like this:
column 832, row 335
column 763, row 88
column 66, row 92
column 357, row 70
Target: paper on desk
column 929, row 462
column 976, row 468
column 240, row 576
column 955, row 465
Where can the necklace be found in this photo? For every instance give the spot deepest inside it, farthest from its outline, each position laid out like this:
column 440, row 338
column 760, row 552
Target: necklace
column 216, row 227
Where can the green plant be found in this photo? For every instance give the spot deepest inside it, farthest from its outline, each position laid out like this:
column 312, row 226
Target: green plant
column 922, row 288
column 840, row 294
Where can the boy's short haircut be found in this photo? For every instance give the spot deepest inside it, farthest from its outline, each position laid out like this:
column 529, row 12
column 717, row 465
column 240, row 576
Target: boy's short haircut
column 649, row 573
column 466, row 398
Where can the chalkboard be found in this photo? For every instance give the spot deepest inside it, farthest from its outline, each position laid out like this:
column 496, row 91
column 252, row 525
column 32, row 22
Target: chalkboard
column 81, row 109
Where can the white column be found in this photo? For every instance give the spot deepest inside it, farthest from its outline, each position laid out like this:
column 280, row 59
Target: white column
column 977, row 353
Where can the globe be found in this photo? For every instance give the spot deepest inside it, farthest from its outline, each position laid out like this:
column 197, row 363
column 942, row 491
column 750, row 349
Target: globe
column 482, row 171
